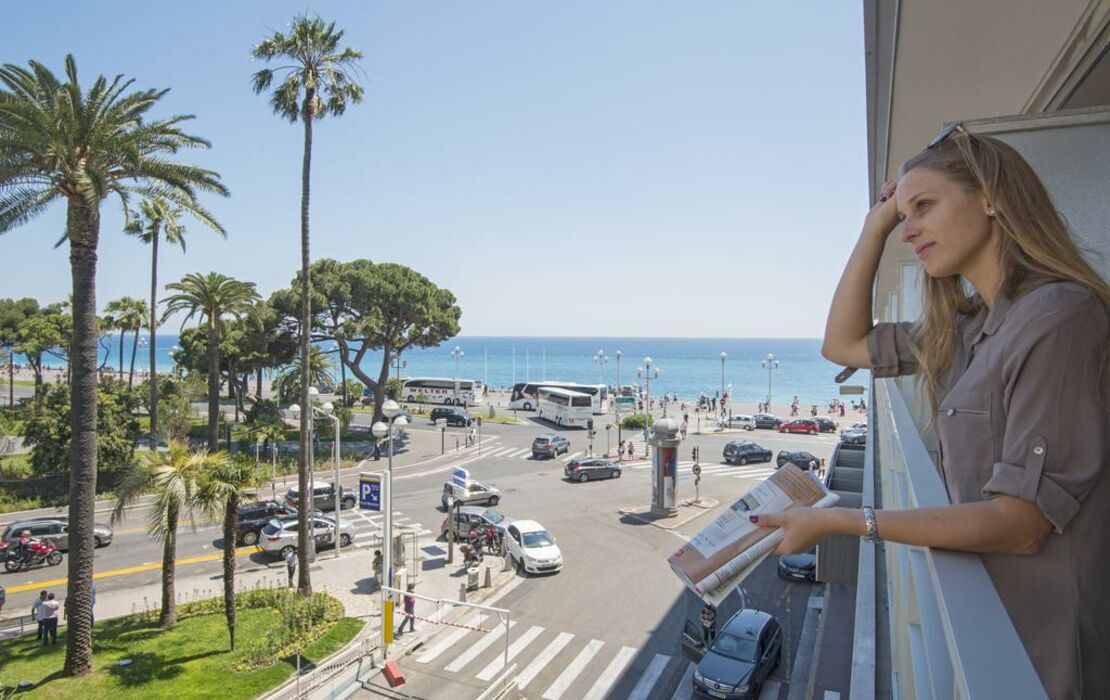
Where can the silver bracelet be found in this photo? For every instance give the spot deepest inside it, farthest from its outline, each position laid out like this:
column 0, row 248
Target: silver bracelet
column 872, row 527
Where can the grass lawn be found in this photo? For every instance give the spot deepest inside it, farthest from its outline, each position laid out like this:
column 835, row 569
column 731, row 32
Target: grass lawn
column 15, row 466
column 191, row 661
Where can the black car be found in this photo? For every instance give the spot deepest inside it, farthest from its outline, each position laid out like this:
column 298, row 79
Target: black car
column 827, row 425
column 254, row 516
column 801, row 460
column 323, row 497
column 452, row 414
column 745, row 451
column 591, row 467
column 740, row 658
column 798, row 567
column 767, row 421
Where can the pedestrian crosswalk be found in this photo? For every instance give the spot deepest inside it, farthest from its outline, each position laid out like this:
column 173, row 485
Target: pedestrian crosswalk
column 525, row 453
column 556, row 664
column 368, row 527
column 747, row 471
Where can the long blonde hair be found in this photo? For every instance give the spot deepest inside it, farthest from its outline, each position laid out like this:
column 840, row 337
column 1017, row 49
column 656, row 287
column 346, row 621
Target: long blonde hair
column 1036, row 247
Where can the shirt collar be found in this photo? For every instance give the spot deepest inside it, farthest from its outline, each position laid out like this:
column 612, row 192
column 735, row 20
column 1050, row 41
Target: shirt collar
column 993, row 316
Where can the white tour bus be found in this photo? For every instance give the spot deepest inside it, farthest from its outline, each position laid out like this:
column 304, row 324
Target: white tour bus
column 525, row 394
column 564, row 407
column 440, row 390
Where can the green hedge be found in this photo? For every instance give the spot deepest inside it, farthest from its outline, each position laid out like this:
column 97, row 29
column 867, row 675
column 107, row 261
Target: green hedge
column 637, row 421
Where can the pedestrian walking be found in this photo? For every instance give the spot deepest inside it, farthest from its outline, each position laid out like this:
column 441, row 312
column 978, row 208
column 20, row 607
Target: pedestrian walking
column 37, row 615
column 631, row 453
column 682, row 428
column 50, row 609
column 378, row 567
column 410, row 612
column 709, row 623
column 620, row 451
column 291, row 564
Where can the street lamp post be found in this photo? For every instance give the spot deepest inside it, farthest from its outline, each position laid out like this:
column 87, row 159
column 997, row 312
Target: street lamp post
column 646, row 373
column 457, row 354
column 391, row 411
column 723, row 357
column 616, row 414
column 600, row 359
column 770, row 364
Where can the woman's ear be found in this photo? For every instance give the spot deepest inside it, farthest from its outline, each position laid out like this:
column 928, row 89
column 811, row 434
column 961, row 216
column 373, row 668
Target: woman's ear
column 987, row 207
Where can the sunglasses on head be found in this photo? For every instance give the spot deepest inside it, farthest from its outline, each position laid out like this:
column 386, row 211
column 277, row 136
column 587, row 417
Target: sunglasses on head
column 945, row 133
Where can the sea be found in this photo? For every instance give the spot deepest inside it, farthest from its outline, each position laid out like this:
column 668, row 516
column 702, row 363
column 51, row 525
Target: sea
column 686, row 366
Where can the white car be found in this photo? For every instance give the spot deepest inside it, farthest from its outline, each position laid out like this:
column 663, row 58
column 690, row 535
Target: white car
column 741, row 421
column 532, row 548
column 279, row 536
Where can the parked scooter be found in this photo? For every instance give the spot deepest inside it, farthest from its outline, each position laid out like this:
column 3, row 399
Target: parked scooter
column 37, row 554
column 472, row 556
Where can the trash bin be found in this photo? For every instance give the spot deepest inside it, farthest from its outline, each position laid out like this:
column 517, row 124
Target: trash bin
column 472, row 578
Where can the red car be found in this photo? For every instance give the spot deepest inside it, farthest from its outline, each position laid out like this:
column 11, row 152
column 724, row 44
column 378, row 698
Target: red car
column 800, row 425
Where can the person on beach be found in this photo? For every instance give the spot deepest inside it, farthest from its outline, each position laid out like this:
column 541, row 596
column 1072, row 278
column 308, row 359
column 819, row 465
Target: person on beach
column 1015, row 377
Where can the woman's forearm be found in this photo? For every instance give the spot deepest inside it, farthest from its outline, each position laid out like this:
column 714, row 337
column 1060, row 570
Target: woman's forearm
column 1002, row 524
column 850, row 313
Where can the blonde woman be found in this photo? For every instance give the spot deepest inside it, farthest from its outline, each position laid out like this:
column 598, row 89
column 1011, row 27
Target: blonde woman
column 1015, row 376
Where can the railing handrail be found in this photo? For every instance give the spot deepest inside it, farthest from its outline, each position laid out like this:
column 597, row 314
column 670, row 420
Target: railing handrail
column 987, row 657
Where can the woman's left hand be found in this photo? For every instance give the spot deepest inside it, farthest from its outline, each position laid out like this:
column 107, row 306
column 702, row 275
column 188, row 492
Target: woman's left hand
column 803, row 528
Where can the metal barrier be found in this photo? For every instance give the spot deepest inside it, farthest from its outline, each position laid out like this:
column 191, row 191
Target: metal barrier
column 950, row 636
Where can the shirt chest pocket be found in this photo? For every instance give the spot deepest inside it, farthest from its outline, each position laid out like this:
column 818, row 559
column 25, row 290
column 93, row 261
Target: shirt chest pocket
column 967, row 446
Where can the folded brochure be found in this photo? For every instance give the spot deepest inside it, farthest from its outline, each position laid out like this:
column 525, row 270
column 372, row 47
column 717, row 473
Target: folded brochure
column 719, row 557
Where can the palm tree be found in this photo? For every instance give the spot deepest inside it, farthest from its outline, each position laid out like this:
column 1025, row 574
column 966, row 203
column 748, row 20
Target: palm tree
column 173, row 477
column 213, row 297
column 128, row 315
column 288, row 382
column 222, row 489
column 314, row 85
column 60, row 142
column 157, row 218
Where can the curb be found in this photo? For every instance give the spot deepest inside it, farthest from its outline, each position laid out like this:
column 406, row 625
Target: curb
column 705, row 505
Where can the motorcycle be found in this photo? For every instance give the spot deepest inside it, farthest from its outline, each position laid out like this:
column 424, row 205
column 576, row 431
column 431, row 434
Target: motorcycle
column 488, row 538
column 37, row 554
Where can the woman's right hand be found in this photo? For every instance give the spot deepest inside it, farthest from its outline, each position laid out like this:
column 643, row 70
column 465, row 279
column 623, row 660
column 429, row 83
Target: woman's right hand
column 883, row 217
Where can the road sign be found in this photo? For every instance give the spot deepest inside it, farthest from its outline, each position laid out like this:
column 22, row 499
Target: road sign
column 625, row 403
column 460, row 476
column 697, row 470
column 370, row 491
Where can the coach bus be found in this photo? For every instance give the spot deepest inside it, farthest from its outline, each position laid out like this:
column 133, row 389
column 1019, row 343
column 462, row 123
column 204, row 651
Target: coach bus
column 525, row 394
column 563, row 407
column 440, row 390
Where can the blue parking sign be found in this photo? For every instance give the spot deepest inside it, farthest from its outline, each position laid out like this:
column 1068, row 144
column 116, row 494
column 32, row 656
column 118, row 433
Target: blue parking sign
column 370, row 491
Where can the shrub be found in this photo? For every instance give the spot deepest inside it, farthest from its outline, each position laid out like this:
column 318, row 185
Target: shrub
column 637, row 421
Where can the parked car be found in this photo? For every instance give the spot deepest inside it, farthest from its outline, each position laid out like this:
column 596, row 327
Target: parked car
column 827, row 425
column 740, row 658
column 854, row 436
column 323, row 497
column 741, row 421
column 801, row 460
column 452, row 414
column 745, row 451
column 55, row 529
column 254, row 516
column 471, row 517
column 532, row 548
column 799, row 567
column 800, row 425
column 549, row 446
column 279, row 536
column 475, row 493
column 591, row 467
column 767, row 421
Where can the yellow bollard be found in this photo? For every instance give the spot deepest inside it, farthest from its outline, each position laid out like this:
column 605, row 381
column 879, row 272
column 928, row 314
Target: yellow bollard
column 387, row 622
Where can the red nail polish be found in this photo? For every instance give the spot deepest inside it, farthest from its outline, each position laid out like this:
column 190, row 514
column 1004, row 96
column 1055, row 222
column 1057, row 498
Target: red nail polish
column 882, row 199
column 754, row 518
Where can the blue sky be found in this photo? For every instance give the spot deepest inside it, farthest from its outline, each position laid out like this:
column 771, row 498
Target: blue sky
column 571, row 168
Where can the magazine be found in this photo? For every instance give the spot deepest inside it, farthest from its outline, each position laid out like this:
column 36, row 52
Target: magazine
column 719, row 557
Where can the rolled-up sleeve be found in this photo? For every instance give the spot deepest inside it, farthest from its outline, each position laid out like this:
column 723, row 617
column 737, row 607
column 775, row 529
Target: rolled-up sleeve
column 1055, row 442
column 890, row 346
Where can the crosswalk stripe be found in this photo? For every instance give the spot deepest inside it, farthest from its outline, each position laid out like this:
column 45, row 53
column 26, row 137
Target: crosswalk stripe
column 651, row 675
column 611, row 673
column 685, row 689
column 502, row 452
column 572, row 670
column 482, row 644
column 430, row 653
column 515, row 648
column 543, row 659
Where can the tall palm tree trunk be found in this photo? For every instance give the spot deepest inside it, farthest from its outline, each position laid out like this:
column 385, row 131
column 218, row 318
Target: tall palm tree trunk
column 121, row 334
column 304, row 581
column 134, row 351
column 83, row 230
column 231, row 530
column 153, row 333
column 213, row 387
column 168, row 617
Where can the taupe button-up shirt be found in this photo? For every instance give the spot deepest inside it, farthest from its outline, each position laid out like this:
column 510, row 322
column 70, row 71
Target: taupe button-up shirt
column 1025, row 413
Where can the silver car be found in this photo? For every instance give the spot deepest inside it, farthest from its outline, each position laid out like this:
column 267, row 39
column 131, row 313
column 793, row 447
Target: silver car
column 474, row 493
column 55, row 529
column 279, row 536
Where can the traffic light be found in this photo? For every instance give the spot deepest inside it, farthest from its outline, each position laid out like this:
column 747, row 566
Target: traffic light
column 694, row 453
column 590, row 424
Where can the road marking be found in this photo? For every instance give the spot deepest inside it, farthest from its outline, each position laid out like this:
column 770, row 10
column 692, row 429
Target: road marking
column 482, row 644
column 239, row 552
column 650, row 677
column 501, row 452
column 544, row 658
column 445, row 643
column 515, row 648
column 571, row 671
column 611, row 673
column 685, row 689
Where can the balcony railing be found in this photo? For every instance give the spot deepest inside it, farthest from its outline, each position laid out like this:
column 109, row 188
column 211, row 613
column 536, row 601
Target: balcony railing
column 949, row 635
